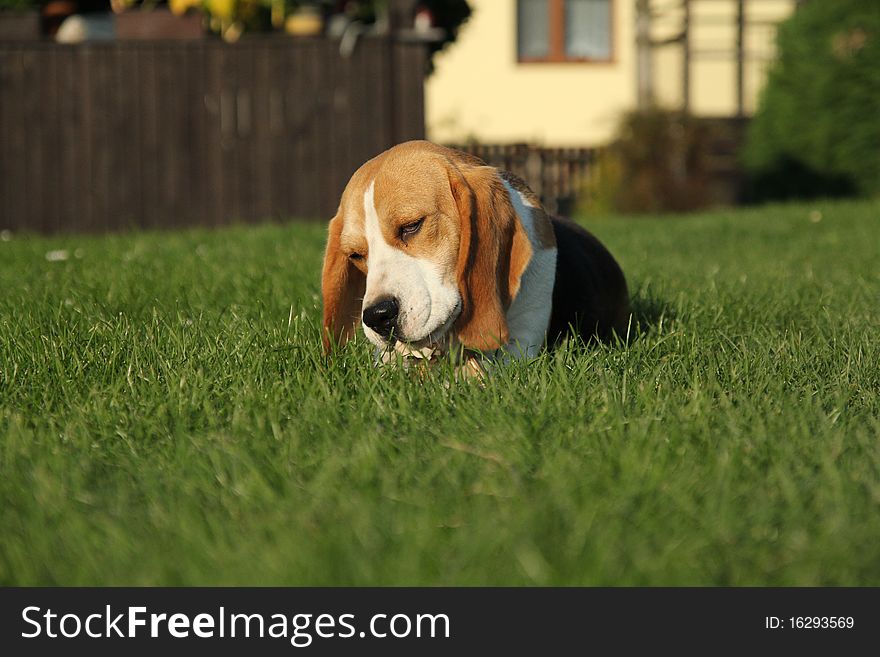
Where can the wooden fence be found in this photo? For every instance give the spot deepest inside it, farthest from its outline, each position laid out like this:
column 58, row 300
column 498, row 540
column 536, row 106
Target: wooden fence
column 556, row 175
column 163, row 134
column 561, row 176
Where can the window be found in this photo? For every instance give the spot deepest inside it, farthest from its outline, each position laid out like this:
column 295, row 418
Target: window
column 564, row 30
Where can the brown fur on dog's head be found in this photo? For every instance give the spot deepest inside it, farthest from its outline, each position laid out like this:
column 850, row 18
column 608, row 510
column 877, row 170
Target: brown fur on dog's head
column 470, row 244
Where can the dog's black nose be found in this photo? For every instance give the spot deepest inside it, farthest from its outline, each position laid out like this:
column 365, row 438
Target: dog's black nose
column 382, row 316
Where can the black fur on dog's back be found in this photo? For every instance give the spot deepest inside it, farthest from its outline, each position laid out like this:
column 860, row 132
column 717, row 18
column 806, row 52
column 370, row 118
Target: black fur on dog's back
column 590, row 297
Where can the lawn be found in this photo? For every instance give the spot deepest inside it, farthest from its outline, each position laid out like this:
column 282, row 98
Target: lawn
column 166, row 417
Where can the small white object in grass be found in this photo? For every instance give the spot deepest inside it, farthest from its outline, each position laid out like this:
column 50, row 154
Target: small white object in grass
column 408, row 353
column 815, row 216
column 425, row 353
column 5, row 235
column 57, row 256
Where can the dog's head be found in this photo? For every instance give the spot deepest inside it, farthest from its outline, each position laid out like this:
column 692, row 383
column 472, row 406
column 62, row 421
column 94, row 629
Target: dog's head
column 425, row 247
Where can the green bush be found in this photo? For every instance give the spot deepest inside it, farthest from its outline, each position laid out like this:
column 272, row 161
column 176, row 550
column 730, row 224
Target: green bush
column 817, row 130
column 657, row 163
column 19, row 5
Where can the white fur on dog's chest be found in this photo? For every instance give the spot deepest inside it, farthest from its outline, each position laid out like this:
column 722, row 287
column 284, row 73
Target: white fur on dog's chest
column 529, row 315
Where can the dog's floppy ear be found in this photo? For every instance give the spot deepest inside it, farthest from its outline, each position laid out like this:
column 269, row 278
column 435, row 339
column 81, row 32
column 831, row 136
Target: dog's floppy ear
column 494, row 252
column 342, row 286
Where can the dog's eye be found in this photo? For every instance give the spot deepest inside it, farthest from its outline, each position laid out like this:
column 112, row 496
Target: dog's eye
column 355, row 256
column 411, row 229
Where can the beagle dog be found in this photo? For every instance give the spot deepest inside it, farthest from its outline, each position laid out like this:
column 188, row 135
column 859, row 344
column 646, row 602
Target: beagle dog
column 434, row 252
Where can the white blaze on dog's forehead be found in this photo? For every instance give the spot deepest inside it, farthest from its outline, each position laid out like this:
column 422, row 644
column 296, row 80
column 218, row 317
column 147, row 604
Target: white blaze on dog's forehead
column 371, row 224
column 384, row 258
column 427, row 302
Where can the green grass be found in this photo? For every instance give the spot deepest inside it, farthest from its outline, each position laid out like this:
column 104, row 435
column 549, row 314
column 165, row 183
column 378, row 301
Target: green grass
column 166, row 418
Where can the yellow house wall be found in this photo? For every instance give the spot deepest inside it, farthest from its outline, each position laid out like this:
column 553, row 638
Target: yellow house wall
column 480, row 91
column 713, row 76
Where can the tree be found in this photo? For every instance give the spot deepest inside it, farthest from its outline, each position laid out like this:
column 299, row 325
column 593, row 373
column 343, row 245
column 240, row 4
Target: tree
column 817, row 131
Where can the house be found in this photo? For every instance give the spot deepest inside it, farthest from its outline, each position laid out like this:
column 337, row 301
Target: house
column 562, row 72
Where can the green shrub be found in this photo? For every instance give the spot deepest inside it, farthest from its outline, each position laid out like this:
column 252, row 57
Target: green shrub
column 817, row 130
column 657, row 163
column 19, row 5
column 601, row 191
